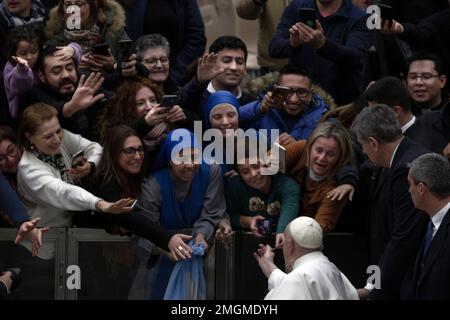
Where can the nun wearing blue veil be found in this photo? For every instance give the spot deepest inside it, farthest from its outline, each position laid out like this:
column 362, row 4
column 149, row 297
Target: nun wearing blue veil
column 181, row 194
column 221, row 112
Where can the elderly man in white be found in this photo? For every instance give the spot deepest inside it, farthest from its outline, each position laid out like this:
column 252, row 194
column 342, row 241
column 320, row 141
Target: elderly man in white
column 310, row 275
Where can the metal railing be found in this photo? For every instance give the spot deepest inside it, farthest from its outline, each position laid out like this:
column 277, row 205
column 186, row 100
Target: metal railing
column 110, row 266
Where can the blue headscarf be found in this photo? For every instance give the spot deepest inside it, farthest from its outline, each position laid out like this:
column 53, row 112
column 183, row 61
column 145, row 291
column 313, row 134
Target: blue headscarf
column 217, row 98
column 177, row 139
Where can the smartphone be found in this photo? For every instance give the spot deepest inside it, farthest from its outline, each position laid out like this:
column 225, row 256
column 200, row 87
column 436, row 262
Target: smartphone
column 279, row 95
column 281, row 156
column 308, row 17
column 265, row 227
column 168, row 101
column 101, row 49
column 387, row 13
column 125, row 51
column 77, row 158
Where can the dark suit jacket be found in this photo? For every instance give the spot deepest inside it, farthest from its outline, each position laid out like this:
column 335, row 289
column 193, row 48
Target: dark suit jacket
column 429, row 131
column 430, row 279
column 396, row 227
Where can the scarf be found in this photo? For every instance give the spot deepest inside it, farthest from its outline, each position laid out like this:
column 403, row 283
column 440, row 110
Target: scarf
column 56, row 161
column 86, row 38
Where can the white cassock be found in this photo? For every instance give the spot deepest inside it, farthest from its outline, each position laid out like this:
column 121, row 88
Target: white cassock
column 313, row 277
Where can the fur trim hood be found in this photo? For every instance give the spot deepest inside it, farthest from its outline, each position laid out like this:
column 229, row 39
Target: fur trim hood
column 110, row 20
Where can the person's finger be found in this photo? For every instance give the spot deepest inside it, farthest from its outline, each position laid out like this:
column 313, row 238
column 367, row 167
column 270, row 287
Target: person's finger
column 82, row 80
column 98, row 97
column 350, row 197
column 174, row 256
column 98, row 82
column 257, row 256
column 319, row 26
column 341, row 195
column 44, row 230
column 181, row 253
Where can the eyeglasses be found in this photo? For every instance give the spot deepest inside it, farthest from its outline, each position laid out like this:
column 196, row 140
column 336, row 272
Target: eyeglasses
column 424, row 76
column 80, row 4
column 130, row 152
column 153, row 62
column 300, row 92
column 11, row 152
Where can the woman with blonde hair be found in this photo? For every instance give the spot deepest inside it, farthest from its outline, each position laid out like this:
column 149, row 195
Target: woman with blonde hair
column 314, row 164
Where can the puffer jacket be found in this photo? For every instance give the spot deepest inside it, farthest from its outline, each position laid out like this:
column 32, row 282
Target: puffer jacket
column 111, row 22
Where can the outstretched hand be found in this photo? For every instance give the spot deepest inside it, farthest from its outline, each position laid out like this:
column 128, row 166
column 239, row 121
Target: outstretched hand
column 264, row 256
column 121, row 206
column 29, row 229
column 341, row 191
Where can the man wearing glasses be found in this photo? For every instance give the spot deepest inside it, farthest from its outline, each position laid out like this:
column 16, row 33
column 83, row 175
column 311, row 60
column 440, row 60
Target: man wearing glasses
column 296, row 115
column 425, row 81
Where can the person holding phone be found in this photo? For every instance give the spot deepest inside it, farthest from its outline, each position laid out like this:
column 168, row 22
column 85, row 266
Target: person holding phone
column 44, row 179
column 292, row 107
column 102, row 24
column 252, row 198
column 137, row 104
column 334, row 51
column 179, row 21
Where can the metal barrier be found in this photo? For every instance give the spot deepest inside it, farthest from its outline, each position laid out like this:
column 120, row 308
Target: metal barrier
column 109, row 266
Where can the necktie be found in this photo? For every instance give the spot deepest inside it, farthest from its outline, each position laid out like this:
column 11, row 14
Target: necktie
column 428, row 238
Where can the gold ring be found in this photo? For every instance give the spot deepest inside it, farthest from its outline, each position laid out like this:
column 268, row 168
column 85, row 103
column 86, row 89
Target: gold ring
column 180, row 248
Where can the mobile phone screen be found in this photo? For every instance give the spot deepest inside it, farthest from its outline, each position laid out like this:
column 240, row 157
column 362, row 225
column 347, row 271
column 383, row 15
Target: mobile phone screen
column 169, row 101
column 308, row 17
column 77, row 159
column 101, row 49
column 264, row 226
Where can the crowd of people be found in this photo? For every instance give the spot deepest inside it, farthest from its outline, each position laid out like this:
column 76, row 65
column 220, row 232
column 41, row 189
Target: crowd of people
column 111, row 111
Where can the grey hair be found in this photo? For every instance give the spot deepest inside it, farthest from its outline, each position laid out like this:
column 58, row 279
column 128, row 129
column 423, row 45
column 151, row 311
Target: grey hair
column 433, row 170
column 379, row 122
column 149, row 41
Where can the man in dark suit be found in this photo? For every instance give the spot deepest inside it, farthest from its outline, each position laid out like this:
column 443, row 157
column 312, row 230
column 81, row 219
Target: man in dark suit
column 427, row 129
column 429, row 185
column 395, row 226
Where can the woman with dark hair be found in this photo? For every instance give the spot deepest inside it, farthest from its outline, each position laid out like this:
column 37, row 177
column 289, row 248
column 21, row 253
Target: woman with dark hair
column 136, row 103
column 119, row 175
column 10, row 154
column 101, row 21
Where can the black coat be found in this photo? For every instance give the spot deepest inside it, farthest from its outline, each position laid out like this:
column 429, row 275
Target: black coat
column 430, row 279
column 433, row 34
column 429, row 131
column 395, row 225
